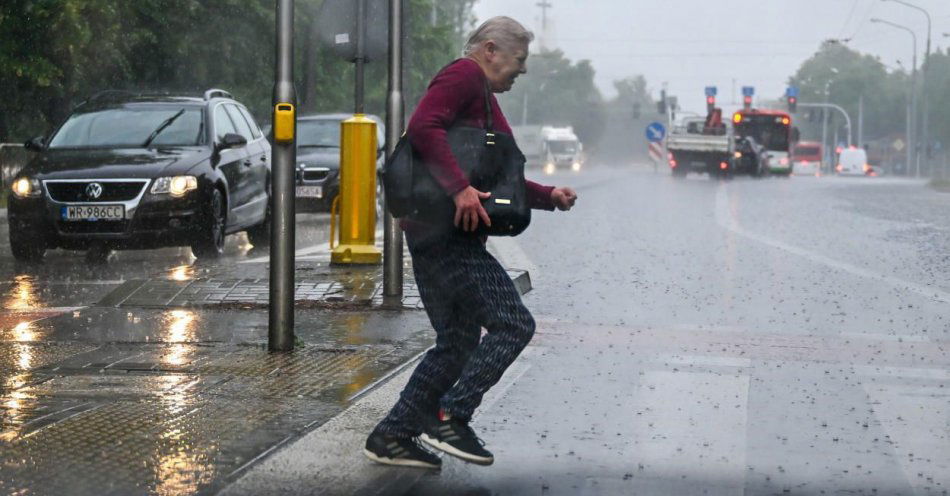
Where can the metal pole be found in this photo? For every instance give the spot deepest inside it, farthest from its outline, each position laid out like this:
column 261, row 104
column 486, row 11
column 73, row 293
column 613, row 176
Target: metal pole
column 360, row 53
column 913, row 85
column 923, row 84
column 847, row 118
column 861, row 121
column 824, row 135
column 395, row 119
column 912, row 100
column 280, row 329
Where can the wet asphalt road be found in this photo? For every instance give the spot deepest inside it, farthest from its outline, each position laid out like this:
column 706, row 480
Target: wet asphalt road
column 776, row 336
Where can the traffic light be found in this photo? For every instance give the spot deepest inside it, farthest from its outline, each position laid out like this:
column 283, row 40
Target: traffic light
column 710, row 104
column 661, row 104
column 747, row 102
column 793, row 104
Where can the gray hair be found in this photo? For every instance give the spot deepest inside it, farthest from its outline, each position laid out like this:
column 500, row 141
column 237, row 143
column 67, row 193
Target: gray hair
column 504, row 31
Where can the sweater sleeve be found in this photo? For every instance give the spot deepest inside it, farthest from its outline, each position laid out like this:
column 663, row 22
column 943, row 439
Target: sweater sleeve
column 448, row 95
column 539, row 196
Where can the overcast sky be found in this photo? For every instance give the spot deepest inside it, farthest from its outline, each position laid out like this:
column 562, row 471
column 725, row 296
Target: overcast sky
column 694, row 43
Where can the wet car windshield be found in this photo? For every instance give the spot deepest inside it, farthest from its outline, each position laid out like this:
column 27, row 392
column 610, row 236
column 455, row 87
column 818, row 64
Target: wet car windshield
column 562, row 146
column 318, row 133
column 131, row 127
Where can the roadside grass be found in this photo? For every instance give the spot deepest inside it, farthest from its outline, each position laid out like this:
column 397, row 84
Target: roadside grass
column 940, row 185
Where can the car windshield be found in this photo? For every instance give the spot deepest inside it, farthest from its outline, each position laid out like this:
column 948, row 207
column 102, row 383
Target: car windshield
column 806, row 151
column 562, row 146
column 767, row 130
column 131, row 127
column 318, row 133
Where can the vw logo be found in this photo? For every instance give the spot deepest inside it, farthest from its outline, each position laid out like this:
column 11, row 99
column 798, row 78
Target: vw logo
column 93, row 191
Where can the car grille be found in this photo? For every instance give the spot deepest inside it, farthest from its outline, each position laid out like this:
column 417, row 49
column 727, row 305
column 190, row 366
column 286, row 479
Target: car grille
column 112, row 191
column 97, row 227
column 315, row 174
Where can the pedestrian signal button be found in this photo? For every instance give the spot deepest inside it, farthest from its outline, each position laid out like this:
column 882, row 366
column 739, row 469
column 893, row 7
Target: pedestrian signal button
column 284, row 123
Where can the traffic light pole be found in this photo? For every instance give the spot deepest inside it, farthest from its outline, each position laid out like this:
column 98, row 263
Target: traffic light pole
column 280, row 329
column 395, row 118
column 847, row 118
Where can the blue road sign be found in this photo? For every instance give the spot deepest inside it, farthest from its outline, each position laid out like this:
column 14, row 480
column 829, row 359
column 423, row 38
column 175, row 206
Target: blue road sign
column 655, row 132
column 791, row 91
column 711, row 91
column 748, row 91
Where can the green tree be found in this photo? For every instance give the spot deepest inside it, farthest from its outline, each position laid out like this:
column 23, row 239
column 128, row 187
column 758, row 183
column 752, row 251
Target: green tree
column 56, row 53
column 847, row 76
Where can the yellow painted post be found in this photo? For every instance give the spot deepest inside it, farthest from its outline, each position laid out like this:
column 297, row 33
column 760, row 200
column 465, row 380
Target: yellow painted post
column 358, row 148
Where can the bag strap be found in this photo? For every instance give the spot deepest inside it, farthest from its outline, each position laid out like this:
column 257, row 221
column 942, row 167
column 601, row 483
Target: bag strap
column 489, row 116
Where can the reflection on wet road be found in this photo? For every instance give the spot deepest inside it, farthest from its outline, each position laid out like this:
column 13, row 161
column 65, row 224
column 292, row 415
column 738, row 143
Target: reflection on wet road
column 165, row 397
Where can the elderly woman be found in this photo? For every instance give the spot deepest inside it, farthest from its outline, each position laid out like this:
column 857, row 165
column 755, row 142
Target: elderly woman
column 463, row 287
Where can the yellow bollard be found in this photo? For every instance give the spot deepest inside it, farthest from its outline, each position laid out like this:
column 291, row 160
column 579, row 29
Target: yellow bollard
column 358, row 148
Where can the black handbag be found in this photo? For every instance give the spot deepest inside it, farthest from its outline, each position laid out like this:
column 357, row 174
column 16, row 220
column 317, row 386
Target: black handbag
column 491, row 162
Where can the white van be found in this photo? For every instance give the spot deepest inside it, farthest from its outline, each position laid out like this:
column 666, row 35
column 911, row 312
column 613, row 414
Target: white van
column 853, row 162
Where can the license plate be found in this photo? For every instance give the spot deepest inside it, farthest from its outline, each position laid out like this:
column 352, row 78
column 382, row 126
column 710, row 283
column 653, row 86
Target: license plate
column 310, row 191
column 94, row 212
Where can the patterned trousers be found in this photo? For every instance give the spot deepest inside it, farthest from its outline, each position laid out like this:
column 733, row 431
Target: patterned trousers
column 463, row 289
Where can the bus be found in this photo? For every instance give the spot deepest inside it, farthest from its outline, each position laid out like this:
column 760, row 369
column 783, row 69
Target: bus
column 772, row 130
column 807, row 158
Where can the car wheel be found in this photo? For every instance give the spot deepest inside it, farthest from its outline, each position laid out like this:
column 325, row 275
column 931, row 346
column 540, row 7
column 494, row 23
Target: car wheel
column 210, row 240
column 259, row 235
column 26, row 250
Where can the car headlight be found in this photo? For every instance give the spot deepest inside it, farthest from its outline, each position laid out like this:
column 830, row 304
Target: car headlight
column 176, row 186
column 26, row 187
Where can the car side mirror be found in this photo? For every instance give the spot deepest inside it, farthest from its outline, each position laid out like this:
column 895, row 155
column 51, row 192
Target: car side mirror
column 36, row 144
column 232, row 140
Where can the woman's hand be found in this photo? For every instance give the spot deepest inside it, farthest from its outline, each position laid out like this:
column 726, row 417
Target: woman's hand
column 563, row 198
column 469, row 209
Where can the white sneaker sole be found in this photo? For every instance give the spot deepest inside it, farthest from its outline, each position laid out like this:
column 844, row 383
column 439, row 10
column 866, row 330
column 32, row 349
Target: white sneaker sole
column 448, row 448
column 398, row 462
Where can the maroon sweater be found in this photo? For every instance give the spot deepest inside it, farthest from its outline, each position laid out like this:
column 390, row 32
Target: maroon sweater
column 457, row 95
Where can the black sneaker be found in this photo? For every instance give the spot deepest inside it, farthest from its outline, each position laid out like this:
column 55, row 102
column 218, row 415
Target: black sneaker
column 456, row 438
column 404, row 452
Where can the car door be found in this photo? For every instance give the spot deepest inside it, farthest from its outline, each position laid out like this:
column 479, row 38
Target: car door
column 259, row 168
column 231, row 162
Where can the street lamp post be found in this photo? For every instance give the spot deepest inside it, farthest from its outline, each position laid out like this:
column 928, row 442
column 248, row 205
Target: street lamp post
column 923, row 85
column 911, row 110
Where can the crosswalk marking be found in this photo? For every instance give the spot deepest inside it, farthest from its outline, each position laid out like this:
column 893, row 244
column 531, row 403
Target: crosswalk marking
column 693, row 423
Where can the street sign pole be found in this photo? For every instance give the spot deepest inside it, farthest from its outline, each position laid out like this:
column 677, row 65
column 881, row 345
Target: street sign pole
column 395, row 118
column 280, row 329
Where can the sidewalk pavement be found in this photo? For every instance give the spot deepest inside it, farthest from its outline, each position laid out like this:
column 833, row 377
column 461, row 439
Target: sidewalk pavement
column 165, row 385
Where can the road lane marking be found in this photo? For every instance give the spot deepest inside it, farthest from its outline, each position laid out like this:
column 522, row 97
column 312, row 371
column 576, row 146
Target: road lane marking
column 915, row 419
column 904, row 372
column 708, row 360
column 693, row 423
column 726, row 220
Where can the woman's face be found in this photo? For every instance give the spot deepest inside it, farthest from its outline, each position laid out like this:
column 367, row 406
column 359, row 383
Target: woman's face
column 505, row 65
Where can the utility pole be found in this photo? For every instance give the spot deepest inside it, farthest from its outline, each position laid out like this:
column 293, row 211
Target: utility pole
column 395, row 120
column 545, row 5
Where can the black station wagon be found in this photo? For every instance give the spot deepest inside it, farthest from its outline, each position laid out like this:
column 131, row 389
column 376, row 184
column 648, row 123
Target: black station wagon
column 128, row 171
